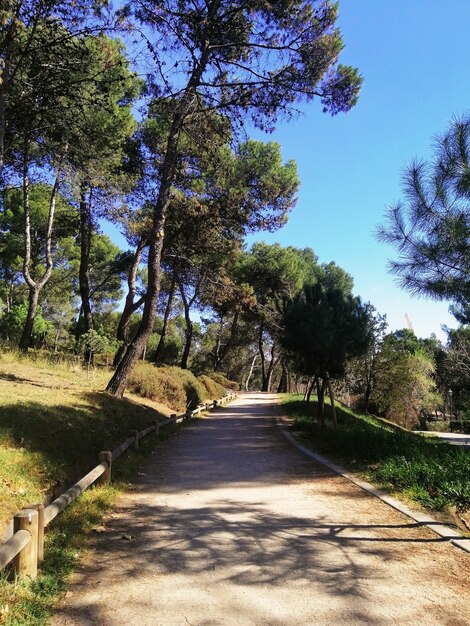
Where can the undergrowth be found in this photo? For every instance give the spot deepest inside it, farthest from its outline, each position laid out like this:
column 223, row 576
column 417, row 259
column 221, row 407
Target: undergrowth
column 435, row 474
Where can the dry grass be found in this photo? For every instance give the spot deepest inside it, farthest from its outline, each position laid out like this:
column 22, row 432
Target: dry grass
column 54, row 420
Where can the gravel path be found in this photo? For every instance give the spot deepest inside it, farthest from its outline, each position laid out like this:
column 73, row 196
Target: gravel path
column 232, row 525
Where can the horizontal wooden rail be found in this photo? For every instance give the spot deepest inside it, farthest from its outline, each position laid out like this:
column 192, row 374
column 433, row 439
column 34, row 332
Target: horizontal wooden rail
column 147, row 431
column 13, row 546
column 19, row 548
column 71, row 494
column 123, row 447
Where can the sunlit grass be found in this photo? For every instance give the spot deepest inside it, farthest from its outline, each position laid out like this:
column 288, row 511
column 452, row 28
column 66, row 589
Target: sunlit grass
column 432, row 473
column 54, row 420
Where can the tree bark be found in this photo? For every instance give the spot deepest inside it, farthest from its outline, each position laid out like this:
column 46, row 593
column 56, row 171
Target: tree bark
column 33, row 299
column 332, row 400
column 130, row 307
column 308, row 391
column 222, row 353
column 189, row 325
column 321, row 401
column 250, row 374
column 117, row 384
column 262, row 357
column 284, row 383
column 35, row 287
column 86, row 228
column 166, row 317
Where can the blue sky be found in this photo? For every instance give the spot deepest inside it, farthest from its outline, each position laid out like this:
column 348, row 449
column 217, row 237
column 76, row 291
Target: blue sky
column 413, row 55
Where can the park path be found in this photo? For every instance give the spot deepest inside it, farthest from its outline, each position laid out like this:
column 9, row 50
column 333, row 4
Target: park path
column 230, row 524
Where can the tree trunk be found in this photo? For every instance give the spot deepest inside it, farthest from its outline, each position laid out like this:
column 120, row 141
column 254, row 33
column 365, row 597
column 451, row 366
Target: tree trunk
column 262, row 358
column 189, row 326
column 35, row 287
column 222, row 353
column 28, row 327
column 269, row 374
column 85, row 245
column 5, row 84
column 166, row 317
column 130, row 307
column 309, row 389
column 2, row 129
column 117, row 384
column 321, row 401
column 284, row 383
column 332, row 401
column 247, row 383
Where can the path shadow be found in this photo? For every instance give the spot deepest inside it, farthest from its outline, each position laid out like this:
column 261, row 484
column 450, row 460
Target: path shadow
column 242, row 548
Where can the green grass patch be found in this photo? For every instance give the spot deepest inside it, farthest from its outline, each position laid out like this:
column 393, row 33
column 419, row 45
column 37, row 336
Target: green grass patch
column 54, row 420
column 435, row 474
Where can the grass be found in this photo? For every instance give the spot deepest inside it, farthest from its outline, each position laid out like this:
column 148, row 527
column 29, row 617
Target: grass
column 432, row 473
column 54, row 419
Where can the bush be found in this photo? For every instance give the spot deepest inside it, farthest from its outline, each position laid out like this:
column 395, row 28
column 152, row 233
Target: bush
column 458, row 426
column 225, row 382
column 195, row 391
column 214, row 390
column 158, row 384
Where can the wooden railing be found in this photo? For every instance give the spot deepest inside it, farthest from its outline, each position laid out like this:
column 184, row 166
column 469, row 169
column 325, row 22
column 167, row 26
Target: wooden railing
column 25, row 548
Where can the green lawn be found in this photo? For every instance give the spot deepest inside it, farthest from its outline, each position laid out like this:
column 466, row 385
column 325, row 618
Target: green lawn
column 434, row 474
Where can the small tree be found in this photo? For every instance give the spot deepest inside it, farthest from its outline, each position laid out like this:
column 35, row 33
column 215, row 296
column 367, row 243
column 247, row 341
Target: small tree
column 405, row 382
column 323, row 327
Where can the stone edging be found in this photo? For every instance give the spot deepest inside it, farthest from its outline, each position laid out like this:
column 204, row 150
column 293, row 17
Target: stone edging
column 440, row 529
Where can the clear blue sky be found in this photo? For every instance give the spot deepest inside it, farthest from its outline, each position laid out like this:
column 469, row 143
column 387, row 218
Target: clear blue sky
column 414, row 57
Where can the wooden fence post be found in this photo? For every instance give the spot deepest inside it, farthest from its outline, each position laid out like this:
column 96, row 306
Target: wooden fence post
column 173, row 416
column 26, row 562
column 107, row 456
column 135, row 434
column 157, row 427
column 40, row 509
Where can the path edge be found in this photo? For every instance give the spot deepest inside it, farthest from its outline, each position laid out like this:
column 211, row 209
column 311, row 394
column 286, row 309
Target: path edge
column 445, row 532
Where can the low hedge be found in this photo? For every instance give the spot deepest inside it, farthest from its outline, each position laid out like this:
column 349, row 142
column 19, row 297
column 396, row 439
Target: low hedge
column 195, row 391
column 225, row 382
column 214, row 390
column 158, row 384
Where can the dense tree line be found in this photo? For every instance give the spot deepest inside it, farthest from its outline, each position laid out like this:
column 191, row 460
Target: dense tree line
column 96, row 133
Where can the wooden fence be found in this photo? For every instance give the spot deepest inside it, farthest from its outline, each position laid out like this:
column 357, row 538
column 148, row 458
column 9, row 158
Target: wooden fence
column 25, row 548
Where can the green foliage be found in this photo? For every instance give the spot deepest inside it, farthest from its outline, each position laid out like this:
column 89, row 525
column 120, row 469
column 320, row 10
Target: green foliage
column 195, row 391
column 12, row 323
column 224, row 381
column 404, row 383
column 430, row 472
column 213, row 389
column 158, row 384
column 430, row 228
column 323, row 327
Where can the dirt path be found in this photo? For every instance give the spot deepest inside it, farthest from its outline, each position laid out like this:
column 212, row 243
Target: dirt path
column 232, row 525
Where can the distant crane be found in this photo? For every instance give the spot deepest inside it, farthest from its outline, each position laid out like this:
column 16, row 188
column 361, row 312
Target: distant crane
column 408, row 323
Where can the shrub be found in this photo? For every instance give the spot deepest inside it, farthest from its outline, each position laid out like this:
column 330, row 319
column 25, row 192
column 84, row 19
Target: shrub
column 195, row 391
column 225, row 382
column 214, row 390
column 159, row 384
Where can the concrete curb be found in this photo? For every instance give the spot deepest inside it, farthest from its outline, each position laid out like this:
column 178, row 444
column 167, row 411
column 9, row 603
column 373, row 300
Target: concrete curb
column 440, row 529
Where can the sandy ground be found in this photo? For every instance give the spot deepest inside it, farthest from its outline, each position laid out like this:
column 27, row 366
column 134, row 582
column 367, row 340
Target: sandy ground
column 232, row 525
